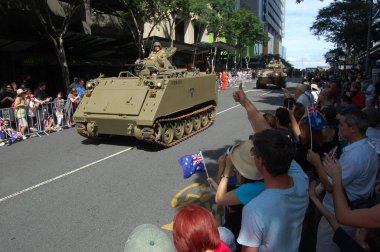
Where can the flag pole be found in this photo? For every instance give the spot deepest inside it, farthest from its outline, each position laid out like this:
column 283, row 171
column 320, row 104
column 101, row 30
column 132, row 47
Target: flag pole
column 204, row 162
column 311, row 133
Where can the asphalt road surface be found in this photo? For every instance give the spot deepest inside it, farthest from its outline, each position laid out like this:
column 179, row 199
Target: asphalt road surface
column 66, row 193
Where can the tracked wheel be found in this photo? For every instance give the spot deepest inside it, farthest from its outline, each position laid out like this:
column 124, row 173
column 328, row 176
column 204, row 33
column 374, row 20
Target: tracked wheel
column 167, row 134
column 179, row 130
column 197, row 122
column 204, row 119
column 211, row 114
column 168, row 131
column 189, row 124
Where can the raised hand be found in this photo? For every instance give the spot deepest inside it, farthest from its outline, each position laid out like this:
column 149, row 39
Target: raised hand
column 332, row 167
column 313, row 158
column 239, row 95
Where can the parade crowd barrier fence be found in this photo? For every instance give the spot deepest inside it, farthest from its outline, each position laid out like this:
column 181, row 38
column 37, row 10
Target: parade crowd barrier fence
column 44, row 119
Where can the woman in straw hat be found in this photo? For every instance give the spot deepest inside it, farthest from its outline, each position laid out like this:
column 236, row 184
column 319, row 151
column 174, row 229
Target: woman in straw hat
column 241, row 163
column 20, row 111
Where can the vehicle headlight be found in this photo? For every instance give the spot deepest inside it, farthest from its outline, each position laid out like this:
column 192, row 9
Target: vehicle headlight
column 90, row 85
column 276, row 74
column 159, row 84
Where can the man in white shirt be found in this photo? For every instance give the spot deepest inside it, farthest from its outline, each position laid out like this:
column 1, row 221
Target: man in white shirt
column 273, row 220
column 301, row 95
column 359, row 164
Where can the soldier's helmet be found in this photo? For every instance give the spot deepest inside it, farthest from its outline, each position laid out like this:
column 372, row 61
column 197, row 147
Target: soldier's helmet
column 157, row 44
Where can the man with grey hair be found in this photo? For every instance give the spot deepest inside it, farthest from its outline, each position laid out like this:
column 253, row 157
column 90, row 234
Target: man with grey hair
column 359, row 168
column 302, row 95
column 325, row 98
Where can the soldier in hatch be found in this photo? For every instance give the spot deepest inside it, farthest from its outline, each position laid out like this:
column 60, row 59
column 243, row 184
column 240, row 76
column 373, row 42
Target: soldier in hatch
column 159, row 56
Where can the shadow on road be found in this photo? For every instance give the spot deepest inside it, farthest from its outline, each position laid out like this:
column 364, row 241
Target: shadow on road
column 122, row 141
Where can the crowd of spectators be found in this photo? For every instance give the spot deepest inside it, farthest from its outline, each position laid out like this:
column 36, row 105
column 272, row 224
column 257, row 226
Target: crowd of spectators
column 306, row 180
column 25, row 113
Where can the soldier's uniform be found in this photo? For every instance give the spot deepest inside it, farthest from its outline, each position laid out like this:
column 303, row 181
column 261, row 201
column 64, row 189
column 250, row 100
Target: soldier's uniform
column 159, row 59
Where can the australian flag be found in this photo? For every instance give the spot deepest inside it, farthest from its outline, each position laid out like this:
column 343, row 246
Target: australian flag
column 316, row 119
column 192, row 164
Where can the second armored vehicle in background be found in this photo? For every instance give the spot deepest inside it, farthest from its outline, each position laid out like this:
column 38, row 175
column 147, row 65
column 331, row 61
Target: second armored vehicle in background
column 274, row 73
column 158, row 104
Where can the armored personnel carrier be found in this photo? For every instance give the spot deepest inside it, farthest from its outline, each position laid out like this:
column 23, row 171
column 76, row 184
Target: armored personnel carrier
column 274, row 73
column 157, row 103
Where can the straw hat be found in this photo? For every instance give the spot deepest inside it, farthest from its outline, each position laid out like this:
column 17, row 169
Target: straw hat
column 243, row 160
column 20, row 92
column 314, row 86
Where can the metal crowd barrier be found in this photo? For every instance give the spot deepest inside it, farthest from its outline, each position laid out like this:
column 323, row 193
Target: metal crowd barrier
column 44, row 119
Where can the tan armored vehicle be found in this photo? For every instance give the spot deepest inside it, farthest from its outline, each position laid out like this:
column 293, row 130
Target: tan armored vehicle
column 158, row 104
column 274, row 73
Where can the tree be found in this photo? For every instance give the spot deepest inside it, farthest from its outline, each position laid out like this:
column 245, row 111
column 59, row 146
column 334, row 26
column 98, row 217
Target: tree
column 133, row 15
column 344, row 23
column 245, row 29
column 136, row 14
column 54, row 31
column 216, row 17
column 178, row 11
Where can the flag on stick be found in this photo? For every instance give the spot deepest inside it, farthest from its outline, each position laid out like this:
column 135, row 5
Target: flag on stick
column 191, row 164
column 316, row 120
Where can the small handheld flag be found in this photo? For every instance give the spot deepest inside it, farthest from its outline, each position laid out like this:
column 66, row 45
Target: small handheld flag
column 192, row 164
column 316, row 120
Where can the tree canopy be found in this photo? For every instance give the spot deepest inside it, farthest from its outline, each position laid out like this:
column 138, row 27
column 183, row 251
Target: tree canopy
column 246, row 28
column 344, row 23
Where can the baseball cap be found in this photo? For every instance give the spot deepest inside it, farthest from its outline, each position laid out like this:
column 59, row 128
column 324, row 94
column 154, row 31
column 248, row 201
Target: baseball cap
column 227, row 237
column 148, row 237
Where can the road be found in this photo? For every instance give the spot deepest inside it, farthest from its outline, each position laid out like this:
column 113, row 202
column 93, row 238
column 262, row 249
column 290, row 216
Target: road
column 66, row 193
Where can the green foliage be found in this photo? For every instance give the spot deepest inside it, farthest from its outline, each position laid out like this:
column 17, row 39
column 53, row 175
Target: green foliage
column 246, row 28
column 237, row 26
column 218, row 15
column 344, row 23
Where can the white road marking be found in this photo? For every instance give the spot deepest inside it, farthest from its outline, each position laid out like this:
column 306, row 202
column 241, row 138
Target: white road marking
column 265, row 93
column 228, row 109
column 90, row 164
column 62, row 175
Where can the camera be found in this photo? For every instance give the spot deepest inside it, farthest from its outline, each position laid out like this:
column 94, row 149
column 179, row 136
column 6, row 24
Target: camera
column 289, row 103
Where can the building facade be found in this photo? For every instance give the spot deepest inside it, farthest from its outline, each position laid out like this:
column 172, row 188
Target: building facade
column 272, row 13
